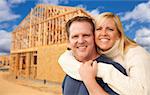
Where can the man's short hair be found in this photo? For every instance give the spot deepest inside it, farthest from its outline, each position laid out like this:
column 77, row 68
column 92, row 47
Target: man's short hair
column 80, row 19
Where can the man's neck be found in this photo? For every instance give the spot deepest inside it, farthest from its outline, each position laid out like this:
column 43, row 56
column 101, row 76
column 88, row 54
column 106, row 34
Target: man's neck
column 91, row 57
column 95, row 55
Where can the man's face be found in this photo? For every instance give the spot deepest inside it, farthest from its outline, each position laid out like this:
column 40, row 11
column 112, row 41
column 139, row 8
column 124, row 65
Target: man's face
column 81, row 40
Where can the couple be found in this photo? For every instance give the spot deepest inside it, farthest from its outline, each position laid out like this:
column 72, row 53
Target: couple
column 127, row 74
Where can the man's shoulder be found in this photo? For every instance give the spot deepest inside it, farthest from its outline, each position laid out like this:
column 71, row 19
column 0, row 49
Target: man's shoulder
column 103, row 58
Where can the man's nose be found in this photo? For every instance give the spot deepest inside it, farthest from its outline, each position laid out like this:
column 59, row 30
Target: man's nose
column 81, row 40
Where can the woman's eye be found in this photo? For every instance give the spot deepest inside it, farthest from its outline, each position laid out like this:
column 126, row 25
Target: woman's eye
column 99, row 28
column 110, row 29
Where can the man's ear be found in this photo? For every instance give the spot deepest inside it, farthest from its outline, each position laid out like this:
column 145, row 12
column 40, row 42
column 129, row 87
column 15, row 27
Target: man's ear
column 68, row 45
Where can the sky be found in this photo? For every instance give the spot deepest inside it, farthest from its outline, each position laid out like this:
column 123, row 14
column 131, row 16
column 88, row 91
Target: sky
column 134, row 14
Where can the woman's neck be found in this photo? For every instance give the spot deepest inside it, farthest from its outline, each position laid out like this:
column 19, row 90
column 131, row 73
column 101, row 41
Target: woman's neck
column 112, row 52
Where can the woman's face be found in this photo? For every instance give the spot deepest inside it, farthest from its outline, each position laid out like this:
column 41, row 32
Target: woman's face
column 106, row 34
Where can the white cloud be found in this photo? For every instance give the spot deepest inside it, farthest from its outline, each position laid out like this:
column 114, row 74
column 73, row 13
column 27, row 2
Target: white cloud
column 15, row 26
column 4, row 25
column 81, row 6
column 17, row 1
column 142, row 37
column 4, row 53
column 140, row 13
column 5, row 42
column 5, row 12
column 129, row 26
column 53, row 2
column 144, row 32
column 94, row 12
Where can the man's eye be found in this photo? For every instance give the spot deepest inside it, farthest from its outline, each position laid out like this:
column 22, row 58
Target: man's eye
column 74, row 37
column 86, row 35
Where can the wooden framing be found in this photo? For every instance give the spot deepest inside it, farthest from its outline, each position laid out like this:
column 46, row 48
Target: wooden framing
column 4, row 60
column 39, row 40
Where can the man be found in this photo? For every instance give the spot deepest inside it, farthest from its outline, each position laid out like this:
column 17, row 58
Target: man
column 80, row 31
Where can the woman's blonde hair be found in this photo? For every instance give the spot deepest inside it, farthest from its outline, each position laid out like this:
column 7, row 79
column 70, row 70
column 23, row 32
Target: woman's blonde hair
column 125, row 42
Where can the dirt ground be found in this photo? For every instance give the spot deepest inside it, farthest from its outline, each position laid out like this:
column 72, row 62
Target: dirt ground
column 11, row 86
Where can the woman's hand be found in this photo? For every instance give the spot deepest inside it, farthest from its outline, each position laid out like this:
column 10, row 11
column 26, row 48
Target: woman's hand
column 88, row 71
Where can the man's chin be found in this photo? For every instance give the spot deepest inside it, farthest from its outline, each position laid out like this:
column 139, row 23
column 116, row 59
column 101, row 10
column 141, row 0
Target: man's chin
column 81, row 50
column 81, row 57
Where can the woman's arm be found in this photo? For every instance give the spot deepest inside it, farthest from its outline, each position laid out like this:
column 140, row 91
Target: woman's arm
column 137, row 82
column 69, row 64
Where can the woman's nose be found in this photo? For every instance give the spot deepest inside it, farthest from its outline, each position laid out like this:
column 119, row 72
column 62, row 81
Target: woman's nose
column 103, row 32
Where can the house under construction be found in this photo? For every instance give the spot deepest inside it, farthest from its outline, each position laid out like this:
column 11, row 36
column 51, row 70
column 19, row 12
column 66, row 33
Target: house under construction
column 4, row 60
column 38, row 41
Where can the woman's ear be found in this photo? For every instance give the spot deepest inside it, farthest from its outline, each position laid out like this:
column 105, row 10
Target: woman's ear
column 118, row 38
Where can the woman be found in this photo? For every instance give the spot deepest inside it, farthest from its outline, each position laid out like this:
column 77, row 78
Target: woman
column 111, row 41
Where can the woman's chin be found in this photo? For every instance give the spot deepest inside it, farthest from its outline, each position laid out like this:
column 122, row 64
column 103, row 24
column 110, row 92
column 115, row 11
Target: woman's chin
column 104, row 48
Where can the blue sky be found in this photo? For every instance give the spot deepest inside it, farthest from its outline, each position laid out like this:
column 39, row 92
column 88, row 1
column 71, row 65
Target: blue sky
column 134, row 14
